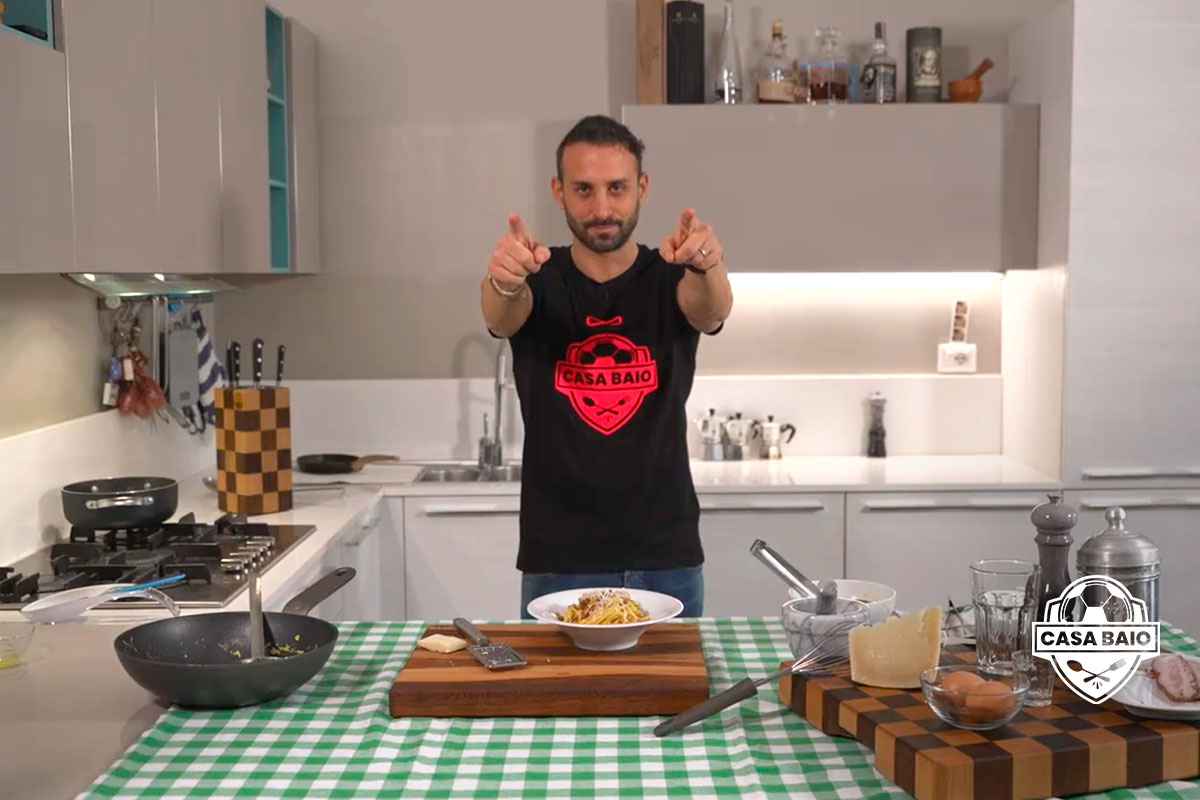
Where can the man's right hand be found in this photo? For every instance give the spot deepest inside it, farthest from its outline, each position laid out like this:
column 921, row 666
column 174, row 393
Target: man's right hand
column 517, row 255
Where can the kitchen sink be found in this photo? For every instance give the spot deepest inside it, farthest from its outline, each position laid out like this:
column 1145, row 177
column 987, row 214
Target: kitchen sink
column 439, row 473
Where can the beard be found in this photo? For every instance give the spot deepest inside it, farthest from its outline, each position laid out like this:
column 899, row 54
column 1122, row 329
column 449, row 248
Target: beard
column 603, row 242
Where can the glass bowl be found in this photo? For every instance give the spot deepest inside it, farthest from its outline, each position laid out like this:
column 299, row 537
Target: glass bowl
column 14, row 641
column 967, row 697
column 826, row 635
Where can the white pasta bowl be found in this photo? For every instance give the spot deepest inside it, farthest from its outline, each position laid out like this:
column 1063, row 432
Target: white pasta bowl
column 549, row 607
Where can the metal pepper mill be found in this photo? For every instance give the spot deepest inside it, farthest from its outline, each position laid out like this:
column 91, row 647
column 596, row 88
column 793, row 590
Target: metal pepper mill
column 1054, row 521
column 877, row 434
column 1127, row 556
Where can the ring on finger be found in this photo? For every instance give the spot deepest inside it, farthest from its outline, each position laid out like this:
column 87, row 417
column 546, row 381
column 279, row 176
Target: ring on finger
column 703, row 253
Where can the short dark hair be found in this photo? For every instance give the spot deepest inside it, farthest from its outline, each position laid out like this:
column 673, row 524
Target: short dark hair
column 599, row 129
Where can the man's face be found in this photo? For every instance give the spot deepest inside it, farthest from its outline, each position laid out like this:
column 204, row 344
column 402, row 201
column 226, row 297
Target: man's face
column 600, row 194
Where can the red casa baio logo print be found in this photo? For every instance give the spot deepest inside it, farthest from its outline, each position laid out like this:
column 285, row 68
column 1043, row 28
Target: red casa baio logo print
column 606, row 377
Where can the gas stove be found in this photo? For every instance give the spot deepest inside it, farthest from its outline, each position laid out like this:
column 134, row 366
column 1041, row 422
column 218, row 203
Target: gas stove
column 214, row 557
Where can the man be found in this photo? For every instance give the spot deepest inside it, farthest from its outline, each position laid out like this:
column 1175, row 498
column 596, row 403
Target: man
column 604, row 336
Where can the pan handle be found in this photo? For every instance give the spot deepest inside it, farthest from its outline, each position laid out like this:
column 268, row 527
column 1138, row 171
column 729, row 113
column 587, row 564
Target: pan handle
column 319, row 591
column 119, row 502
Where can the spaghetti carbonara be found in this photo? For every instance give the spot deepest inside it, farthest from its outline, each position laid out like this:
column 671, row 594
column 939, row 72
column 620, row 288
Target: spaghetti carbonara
column 606, row 607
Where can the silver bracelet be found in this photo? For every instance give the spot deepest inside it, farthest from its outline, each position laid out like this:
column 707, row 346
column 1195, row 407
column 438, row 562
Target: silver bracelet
column 505, row 292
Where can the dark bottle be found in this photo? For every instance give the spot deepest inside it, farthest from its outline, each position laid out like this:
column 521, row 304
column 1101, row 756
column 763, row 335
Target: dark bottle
column 1054, row 521
column 877, row 434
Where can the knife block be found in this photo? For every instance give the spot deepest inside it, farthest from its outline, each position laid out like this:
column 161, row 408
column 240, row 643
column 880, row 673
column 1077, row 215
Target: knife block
column 254, row 450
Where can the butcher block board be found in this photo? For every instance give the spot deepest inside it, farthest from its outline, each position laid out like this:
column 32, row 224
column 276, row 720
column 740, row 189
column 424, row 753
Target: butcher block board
column 1068, row 747
column 663, row 674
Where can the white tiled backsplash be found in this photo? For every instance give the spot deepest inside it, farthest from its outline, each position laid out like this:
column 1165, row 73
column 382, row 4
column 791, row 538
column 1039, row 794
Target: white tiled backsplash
column 443, row 419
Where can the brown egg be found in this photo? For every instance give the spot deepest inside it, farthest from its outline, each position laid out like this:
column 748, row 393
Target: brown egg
column 989, row 701
column 957, row 684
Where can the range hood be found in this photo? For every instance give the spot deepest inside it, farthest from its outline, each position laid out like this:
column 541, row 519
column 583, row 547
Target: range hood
column 115, row 286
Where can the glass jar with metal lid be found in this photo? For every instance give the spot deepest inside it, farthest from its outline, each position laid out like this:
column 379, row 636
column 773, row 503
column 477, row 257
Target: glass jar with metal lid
column 1127, row 556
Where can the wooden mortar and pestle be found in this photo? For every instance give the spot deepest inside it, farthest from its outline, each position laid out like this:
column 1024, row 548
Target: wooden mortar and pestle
column 970, row 88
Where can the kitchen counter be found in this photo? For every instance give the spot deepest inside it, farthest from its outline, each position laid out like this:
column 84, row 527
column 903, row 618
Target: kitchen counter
column 794, row 474
column 69, row 712
column 334, row 736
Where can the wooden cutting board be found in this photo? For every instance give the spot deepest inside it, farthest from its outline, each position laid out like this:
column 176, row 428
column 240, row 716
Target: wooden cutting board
column 1068, row 747
column 663, row 674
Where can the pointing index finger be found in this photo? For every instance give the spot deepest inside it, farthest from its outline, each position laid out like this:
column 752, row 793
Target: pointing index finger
column 516, row 226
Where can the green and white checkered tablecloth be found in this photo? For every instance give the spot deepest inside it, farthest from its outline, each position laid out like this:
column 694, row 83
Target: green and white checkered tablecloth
column 334, row 738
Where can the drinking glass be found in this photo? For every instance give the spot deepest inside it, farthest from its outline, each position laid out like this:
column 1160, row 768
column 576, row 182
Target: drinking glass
column 1005, row 595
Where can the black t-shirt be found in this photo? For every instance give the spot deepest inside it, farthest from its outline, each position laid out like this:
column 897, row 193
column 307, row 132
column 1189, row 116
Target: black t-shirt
column 602, row 371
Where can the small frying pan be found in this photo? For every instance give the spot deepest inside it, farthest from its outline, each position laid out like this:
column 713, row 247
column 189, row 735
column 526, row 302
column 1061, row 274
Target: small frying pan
column 339, row 463
column 200, row 661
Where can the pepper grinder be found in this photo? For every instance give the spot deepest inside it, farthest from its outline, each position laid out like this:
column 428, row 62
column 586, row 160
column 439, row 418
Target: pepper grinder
column 1054, row 521
column 876, row 448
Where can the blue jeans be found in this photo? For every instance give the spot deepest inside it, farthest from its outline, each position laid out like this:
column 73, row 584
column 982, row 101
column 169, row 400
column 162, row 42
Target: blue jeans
column 685, row 584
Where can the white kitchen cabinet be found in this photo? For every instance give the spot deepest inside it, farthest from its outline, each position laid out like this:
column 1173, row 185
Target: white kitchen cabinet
column 923, row 544
column 806, row 529
column 36, row 229
column 460, row 557
column 1131, row 383
column 168, row 135
column 851, row 187
column 1170, row 519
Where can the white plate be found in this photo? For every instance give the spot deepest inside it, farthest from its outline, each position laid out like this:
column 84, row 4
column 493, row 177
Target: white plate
column 660, row 607
column 1143, row 697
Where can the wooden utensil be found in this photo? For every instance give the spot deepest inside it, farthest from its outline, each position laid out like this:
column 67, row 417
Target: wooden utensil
column 970, row 88
column 664, row 674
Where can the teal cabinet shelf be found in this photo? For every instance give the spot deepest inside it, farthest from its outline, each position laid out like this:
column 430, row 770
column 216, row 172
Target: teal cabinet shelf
column 278, row 144
column 30, row 19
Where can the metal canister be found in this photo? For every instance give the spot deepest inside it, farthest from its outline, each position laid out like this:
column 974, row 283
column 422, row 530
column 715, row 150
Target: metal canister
column 1127, row 556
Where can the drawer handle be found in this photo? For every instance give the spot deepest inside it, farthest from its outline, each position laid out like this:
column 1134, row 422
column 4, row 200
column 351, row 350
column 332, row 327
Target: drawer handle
column 1141, row 502
column 449, row 510
column 1102, row 473
column 763, row 505
column 970, row 504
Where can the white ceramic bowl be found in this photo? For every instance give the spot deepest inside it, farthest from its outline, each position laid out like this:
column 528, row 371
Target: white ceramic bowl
column 660, row 607
column 879, row 597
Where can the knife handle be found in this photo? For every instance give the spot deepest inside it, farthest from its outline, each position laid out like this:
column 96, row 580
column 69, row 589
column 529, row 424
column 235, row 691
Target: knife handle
column 258, row 362
column 471, row 632
column 237, row 362
column 279, row 365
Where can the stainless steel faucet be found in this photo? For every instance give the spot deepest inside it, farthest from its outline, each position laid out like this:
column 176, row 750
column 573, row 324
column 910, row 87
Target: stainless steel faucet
column 491, row 449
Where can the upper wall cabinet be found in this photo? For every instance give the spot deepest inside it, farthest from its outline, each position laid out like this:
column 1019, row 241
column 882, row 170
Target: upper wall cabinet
column 35, row 171
column 169, row 135
column 918, row 188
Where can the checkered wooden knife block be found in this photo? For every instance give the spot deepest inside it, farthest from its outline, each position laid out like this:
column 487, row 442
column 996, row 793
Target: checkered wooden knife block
column 254, row 450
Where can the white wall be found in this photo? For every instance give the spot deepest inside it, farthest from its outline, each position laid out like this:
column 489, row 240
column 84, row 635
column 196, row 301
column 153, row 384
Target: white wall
column 438, row 119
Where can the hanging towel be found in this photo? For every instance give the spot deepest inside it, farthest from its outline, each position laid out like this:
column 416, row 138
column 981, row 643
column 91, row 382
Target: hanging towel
column 211, row 370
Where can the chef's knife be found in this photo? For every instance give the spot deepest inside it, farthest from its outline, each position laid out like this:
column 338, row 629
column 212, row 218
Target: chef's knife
column 279, row 366
column 492, row 656
column 237, row 363
column 229, row 366
column 258, row 362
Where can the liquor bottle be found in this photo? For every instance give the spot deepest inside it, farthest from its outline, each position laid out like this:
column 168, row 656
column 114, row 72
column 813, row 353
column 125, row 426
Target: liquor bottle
column 777, row 74
column 879, row 73
column 730, row 86
column 830, row 71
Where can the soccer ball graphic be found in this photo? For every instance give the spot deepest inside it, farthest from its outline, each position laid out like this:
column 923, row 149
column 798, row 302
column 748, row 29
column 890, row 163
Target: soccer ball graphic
column 1093, row 602
column 610, row 350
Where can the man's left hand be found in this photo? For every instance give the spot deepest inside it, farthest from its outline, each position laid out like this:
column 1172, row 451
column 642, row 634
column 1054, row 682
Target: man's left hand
column 693, row 242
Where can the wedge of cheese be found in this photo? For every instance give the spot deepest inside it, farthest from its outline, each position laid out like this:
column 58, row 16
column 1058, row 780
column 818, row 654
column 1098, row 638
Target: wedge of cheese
column 894, row 653
column 441, row 643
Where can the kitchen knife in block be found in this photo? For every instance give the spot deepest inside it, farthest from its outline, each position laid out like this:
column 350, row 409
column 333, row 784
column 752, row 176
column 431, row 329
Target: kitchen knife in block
column 254, row 450
column 664, row 674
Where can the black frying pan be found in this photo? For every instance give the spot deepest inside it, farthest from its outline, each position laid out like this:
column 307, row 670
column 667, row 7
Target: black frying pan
column 339, row 463
column 108, row 503
column 198, row 660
